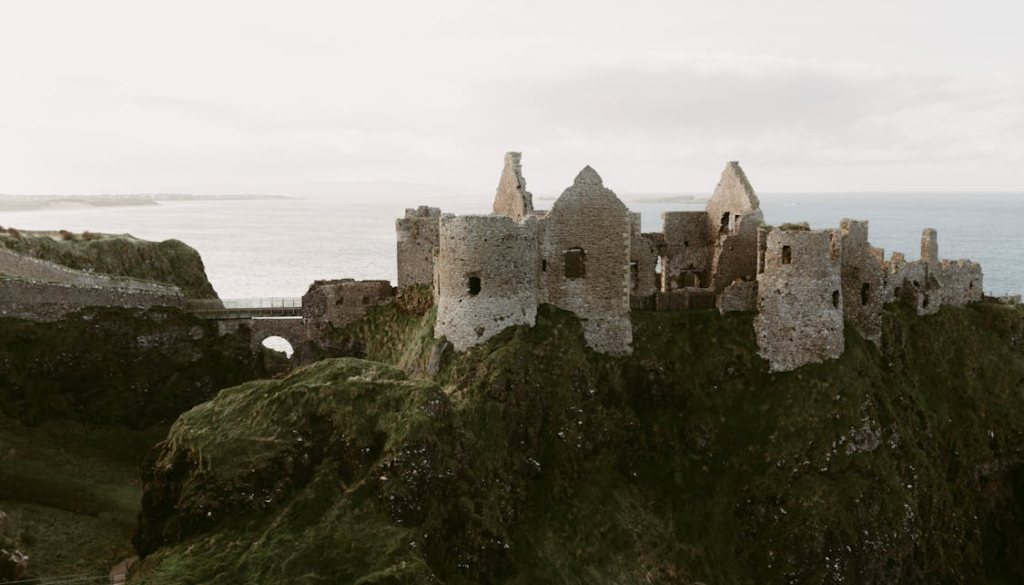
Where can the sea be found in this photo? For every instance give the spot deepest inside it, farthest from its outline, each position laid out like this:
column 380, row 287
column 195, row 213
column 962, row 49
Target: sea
column 256, row 248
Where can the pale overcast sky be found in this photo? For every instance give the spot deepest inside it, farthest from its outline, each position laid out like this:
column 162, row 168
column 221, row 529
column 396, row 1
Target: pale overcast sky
column 318, row 97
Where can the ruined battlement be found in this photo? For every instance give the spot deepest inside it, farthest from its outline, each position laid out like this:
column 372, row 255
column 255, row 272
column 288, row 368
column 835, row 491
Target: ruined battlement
column 588, row 255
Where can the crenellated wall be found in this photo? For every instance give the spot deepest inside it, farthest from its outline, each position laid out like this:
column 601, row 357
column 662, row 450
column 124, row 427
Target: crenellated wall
column 486, row 277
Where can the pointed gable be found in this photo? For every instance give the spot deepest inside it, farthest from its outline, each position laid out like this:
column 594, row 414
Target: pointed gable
column 734, row 191
column 512, row 198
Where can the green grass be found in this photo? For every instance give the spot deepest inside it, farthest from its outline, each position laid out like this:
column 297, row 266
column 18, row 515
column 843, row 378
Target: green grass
column 531, row 459
column 72, row 493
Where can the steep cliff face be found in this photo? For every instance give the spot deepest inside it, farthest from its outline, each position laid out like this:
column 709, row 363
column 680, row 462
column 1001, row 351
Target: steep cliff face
column 533, row 459
column 128, row 367
column 170, row 261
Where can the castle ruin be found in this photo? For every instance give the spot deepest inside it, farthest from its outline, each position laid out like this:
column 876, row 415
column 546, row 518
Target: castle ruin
column 587, row 255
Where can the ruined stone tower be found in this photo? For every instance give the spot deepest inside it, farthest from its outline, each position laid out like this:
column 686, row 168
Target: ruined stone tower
column 800, row 314
column 588, row 255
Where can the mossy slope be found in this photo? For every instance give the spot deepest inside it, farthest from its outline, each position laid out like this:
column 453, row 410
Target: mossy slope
column 532, row 459
column 169, row 261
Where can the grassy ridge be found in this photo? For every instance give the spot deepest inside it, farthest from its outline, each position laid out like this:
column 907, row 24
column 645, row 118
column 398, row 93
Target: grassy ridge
column 533, row 459
column 170, row 261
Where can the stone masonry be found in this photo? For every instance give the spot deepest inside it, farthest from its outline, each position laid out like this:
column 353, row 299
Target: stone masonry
column 417, row 245
column 587, row 255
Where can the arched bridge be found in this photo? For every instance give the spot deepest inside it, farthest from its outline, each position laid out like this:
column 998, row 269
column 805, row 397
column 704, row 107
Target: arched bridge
column 265, row 317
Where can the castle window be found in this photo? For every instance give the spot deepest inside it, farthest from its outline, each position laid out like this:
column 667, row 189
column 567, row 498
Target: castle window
column 543, row 265
column 835, row 299
column 339, row 301
column 725, row 223
column 575, row 263
column 865, row 294
column 735, row 223
column 474, row 285
column 366, row 300
column 634, row 275
column 686, row 243
column 787, row 255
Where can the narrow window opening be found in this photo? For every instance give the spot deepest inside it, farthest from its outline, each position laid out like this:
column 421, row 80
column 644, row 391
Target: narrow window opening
column 575, row 263
column 366, row 300
column 686, row 243
column 735, row 223
column 970, row 287
column 339, row 301
column 725, row 223
column 474, row 286
column 544, row 265
column 787, row 255
column 835, row 299
column 634, row 274
column 865, row 294
column 924, row 301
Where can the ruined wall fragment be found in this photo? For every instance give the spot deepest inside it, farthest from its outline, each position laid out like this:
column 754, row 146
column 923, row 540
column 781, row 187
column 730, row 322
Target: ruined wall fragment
column 643, row 262
column 512, row 198
column 800, row 319
column 417, row 245
column 864, row 292
column 688, row 250
column 733, row 216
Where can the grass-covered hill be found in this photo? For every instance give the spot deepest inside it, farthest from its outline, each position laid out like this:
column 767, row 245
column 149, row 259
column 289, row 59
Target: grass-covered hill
column 531, row 459
column 169, row 261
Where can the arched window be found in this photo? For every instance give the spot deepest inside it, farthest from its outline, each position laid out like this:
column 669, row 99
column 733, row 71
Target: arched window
column 575, row 263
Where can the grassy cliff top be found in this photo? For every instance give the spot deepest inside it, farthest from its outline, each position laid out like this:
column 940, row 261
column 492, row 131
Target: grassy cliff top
column 169, row 261
column 531, row 459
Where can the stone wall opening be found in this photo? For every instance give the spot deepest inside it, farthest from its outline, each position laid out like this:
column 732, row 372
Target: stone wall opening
column 735, row 223
column 835, row 299
column 634, row 275
column 787, row 255
column 865, row 293
column 724, row 229
column 279, row 344
column 575, row 263
column 474, row 286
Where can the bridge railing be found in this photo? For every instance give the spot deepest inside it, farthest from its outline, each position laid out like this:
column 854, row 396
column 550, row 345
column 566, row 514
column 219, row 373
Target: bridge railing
column 245, row 308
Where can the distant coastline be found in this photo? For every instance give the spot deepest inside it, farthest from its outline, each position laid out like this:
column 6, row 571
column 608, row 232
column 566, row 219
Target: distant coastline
column 37, row 202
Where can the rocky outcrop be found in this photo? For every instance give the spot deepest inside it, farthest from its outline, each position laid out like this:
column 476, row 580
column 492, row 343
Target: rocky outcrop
column 544, row 461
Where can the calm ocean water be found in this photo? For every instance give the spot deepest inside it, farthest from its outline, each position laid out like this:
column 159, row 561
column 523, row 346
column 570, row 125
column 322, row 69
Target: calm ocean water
column 261, row 248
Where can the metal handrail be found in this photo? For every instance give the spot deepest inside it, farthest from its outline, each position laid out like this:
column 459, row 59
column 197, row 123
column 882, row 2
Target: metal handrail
column 245, row 308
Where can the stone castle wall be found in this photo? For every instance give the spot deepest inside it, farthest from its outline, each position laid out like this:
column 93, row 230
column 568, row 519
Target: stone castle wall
column 512, row 198
column 588, row 227
column 417, row 245
column 29, row 268
column 864, row 291
column 49, row 301
column 688, row 250
column 800, row 315
column 336, row 303
column 643, row 262
column 486, row 277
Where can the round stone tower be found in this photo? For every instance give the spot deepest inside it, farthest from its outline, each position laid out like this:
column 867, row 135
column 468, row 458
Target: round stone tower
column 485, row 277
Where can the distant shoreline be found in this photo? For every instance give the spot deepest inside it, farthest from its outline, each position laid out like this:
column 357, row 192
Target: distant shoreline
column 37, row 202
